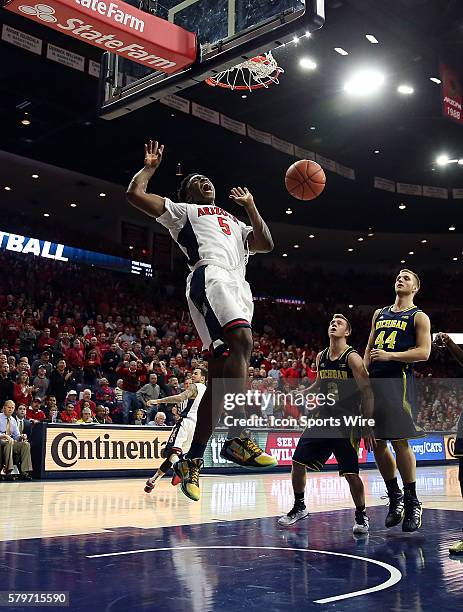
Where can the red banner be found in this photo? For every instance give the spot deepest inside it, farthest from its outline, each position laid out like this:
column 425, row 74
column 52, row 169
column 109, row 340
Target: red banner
column 117, row 27
column 451, row 94
column 282, row 445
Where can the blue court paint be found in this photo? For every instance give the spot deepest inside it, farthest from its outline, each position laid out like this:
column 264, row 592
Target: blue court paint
column 247, row 565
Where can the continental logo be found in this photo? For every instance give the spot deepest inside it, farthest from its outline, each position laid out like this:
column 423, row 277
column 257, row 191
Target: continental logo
column 449, row 447
column 84, row 449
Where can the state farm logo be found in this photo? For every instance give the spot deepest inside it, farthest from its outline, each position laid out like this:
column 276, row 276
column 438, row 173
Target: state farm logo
column 42, row 11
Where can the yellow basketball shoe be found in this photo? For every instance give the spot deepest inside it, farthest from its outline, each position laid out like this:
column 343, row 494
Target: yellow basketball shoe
column 246, row 453
column 457, row 548
column 188, row 472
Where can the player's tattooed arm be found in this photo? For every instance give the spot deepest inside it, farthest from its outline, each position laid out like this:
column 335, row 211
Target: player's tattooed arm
column 189, row 393
column 260, row 239
column 149, row 203
column 366, row 356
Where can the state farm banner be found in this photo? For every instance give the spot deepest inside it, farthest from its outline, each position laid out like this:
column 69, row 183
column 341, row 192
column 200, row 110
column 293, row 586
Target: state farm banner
column 117, row 27
column 452, row 96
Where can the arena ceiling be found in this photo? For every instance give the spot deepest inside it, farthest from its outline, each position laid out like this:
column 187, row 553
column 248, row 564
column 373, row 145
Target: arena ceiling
column 409, row 132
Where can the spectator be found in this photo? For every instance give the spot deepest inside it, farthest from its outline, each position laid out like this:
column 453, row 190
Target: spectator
column 43, row 362
column 27, row 339
column 139, row 417
column 45, row 340
column 101, row 415
column 40, row 383
column 109, row 364
column 159, row 420
column 86, row 397
column 53, row 416
column 87, row 418
column 130, row 386
column 34, row 412
column 60, row 381
column 24, row 424
column 13, row 443
column 105, row 395
column 68, row 415
column 150, row 391
column 92, row 368
column 6, row 384
column 22, row 392
column 71, row 397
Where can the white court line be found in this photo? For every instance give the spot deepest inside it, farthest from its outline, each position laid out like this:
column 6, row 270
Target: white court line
column 394, row 578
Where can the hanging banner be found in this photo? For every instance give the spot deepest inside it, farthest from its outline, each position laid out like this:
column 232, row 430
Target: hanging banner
column 384, row 184
column 94, row 68
column 21, row 39
column 283, row 145
column 117, row 27
column 326, row 163
column 176, row 102
column 65, row 57
column 301, row 153
column 231, row 124
column 435, row 192
column 204, row 113
column 346, row 172
column 408, row 189
column 457, row 194
column 452, row 96
column 259, row 136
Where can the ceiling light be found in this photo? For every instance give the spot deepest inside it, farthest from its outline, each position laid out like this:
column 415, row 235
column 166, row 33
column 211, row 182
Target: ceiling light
column 364, row 83
column 372, row 39
column 406, row 90
column 102, row 195
column 35, row 176
column 295, row 39
column 455, row 259
column 285, row 255
column 351, row 305
column 308, row 34
column 131, row 247
column 7, row 188
column 435, row 80
column 307, row 63
column 402, row 206
column 289, row 211
column 73, row 205
column 370, row 234
column 452, row 228
column 360, row 239
column 25, row 122
column 311, row 236
column 341, row 51
column 46, row 215
column 442, row 160
column 296, row 246
column 376, row 151
column 244, row 96
column 460, row 162
column 402, row 261
column 411, row 252
column 423, row 241
column 350, row 250
column 312, row 127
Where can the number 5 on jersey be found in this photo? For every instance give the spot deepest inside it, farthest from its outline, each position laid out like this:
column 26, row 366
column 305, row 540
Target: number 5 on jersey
column 224, row 225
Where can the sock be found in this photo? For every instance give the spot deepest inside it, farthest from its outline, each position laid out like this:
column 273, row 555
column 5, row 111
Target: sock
column 410, row 489
column 392, row 486
column 299, row 499
column 156, row 477
column 196, row 451
column 234, row 432
column 360, row 508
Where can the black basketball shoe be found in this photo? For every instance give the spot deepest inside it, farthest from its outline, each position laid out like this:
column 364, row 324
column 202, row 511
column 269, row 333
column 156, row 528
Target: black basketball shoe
column 396, row 509
column 412, row 515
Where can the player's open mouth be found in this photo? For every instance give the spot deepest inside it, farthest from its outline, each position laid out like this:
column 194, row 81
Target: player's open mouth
column 206, row 188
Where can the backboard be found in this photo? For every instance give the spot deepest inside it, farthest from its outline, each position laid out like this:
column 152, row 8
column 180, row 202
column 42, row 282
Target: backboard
column 228, row 32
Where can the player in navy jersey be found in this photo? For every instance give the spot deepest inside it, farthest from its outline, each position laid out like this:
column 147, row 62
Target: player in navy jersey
column 340, row 375
column 217, row 246
column 443, row 339
column 400, row 336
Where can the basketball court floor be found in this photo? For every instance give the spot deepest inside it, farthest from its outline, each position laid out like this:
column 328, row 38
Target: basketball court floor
column 114, row 548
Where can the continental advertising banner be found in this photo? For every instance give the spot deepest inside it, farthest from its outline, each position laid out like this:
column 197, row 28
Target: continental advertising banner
column 89, row 448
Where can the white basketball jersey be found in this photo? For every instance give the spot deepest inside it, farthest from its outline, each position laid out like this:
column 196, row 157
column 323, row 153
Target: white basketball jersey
column 207, row 234
column 189, row 408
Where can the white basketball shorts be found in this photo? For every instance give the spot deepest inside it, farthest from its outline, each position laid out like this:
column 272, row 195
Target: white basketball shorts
column 180, row 439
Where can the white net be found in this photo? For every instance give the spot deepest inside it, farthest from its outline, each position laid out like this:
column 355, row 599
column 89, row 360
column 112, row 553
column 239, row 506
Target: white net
column 258, row 72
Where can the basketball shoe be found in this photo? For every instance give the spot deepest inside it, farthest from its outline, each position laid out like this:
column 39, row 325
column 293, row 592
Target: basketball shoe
column 362, row 524
column 149, row 486
column 187, row 470
column 457, row 548
column 246, row 453
column 412, row 514
column 396, row 509
column 297, row 513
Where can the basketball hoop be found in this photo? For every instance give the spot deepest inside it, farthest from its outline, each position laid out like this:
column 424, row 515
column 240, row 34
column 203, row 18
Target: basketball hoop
column 255, row 73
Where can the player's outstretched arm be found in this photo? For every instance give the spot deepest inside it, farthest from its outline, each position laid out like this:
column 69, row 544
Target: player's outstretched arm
column 260, row 239
column 189, row 393
column 148, row 203
column 366, row 356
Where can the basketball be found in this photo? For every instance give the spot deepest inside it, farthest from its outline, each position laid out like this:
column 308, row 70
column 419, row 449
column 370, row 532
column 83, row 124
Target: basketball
column 305, row 179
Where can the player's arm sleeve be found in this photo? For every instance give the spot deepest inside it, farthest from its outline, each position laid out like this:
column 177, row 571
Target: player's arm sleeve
column 175, row 215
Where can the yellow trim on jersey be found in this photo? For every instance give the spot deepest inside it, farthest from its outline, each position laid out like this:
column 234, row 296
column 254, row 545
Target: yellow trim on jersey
column 405, row 404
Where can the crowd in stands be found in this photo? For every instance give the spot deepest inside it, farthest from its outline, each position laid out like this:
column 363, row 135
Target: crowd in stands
column 81, row 345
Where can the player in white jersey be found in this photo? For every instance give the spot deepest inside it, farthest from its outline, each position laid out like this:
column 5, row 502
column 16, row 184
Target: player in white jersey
column 217, row 246
column 181, row 437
